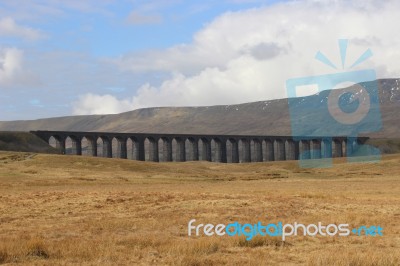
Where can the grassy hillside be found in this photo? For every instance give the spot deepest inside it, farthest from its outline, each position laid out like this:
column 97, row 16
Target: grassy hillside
column 257, row 118
column 24, row 141
column 386, row 146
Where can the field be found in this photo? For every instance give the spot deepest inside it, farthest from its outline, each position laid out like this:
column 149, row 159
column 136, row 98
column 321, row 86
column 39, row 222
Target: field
column 63, row 210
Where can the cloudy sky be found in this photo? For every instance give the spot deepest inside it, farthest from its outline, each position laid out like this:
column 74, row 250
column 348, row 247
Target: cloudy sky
column 79, row 57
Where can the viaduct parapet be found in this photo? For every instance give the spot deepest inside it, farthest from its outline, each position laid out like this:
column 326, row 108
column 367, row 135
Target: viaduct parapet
column 189, row 147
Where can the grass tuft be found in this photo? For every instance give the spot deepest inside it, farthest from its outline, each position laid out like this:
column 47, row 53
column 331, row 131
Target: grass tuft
column 37, row 248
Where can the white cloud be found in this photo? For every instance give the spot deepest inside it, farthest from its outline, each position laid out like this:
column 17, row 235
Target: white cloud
column 12, row 72
column 100, row 104
column 10, row 64
column 248, row 55
column 8, row 27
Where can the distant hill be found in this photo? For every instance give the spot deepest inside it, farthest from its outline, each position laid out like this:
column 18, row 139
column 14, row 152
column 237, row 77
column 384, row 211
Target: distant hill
column 258, row 118
column 24, row 141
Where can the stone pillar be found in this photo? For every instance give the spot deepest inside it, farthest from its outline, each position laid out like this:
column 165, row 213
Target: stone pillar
column 344, row 148
column 315, row 149
column 220, row 152
column 304, row 149
column 327, row 148
column 246, row 150
column 235, row 151
column 337, row 148
column 180, row 150
column 107, row 147
column 258, row 150
column 138, row 149
column 92, row 145
column 269, row 152
column 60, row 144
column 290, row 150
column 167, row 149
column 279, row 150
column 194, row 149
column 122, row 150
column 351, row 146
column 76, row 145
column 206, row 156
column 153, row 152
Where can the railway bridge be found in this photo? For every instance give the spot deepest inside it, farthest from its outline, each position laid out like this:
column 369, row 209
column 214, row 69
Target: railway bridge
column 192, row 147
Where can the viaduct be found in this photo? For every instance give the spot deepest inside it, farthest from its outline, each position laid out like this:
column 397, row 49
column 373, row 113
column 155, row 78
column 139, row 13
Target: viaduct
column 190, row 147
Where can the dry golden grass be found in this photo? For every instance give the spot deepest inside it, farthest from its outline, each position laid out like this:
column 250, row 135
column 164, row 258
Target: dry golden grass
column 62, row 210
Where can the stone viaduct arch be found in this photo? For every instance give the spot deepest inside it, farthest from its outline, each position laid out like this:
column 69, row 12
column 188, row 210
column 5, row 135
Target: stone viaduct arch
column 241, row 148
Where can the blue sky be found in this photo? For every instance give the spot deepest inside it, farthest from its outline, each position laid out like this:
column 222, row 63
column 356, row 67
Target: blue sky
column 78, row 57
column 112, row 28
